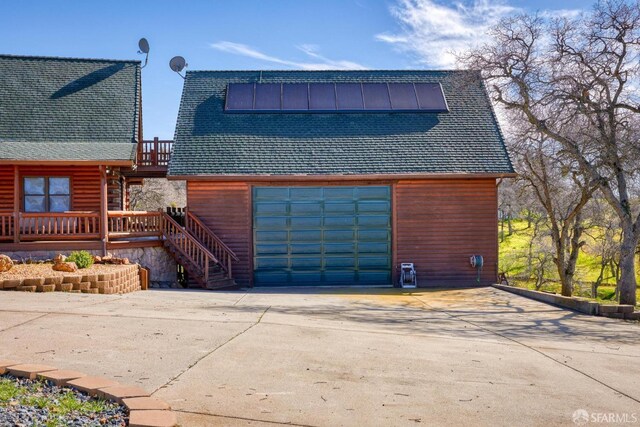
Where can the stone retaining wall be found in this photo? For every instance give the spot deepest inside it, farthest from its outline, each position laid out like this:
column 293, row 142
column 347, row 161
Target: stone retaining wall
column 125, row 278
column 162, row 267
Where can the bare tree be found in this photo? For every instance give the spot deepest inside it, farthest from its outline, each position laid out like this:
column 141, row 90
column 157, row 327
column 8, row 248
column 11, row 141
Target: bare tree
column 575, row 82
column 561, row 192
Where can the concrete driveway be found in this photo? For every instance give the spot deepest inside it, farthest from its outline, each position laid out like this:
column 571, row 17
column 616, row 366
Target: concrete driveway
column 350, row 357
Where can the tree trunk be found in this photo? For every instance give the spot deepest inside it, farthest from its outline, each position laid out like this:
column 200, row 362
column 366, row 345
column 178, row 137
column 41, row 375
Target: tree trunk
column 627, row 282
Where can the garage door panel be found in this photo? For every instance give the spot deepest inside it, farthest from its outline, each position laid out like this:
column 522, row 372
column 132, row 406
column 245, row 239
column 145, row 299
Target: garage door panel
column 306, row 263
column 305, row 235
column 339, row 262
column 339, row 193
column 339, row 235
column 373, row 221
column 306, row 248
column 368, row 263
column 375, row 235
column 339, row 208
column 271, row 249
column 371, row 206
column 322, row 235
column 306, row 208
column 305, row 193
column 373, row 248
column 272, row 236
column 305, row 222
column 339, row 248
column 271, row 193
column 264, row 263
column 271, row 223
column 339, row 221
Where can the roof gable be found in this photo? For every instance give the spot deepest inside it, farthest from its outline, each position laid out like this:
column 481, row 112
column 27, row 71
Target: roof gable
column 46, row 101
column 210, row 141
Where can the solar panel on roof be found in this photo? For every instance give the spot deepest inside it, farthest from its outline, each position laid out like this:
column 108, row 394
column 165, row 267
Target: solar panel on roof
column 239, row 96
column 431, row 97
column 349, row 96
column 295, row 96
column 345, row 97
column 376, row 96
column 403, row 96
column 267, row 96
column 322, row 96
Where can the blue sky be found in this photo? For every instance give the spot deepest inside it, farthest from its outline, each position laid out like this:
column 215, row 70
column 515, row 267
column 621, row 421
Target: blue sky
column 254, row 34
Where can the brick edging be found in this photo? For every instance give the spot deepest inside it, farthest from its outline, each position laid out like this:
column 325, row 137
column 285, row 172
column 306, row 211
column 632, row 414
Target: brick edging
column 144, row 410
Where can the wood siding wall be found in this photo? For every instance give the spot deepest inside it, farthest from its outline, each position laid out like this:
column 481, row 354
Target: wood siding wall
column 85, row 183
column 6, row 188
column 439, row 224
column 226, row 209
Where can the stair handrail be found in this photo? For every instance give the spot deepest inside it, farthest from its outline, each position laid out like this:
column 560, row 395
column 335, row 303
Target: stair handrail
column 201, row 232
column 201, row 259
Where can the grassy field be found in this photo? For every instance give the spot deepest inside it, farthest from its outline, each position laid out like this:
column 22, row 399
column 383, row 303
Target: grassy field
column 513, row 261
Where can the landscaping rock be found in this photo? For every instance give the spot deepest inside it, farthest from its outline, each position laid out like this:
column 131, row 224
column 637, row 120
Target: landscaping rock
column 68, row 267
column 5, row 263
column 58, row 259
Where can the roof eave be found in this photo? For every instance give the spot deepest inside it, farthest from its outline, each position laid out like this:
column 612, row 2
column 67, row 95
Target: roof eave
column 354, row 177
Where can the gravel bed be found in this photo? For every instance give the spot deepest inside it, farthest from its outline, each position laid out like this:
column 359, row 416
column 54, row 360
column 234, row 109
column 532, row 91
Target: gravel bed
column 16, row 412
column 26, row 271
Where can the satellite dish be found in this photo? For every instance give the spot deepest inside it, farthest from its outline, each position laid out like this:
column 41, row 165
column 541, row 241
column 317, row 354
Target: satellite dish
column 143, row 45
column 177, row 64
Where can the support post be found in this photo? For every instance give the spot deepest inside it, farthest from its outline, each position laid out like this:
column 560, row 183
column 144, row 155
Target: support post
column 104, row 209
column 16, row 205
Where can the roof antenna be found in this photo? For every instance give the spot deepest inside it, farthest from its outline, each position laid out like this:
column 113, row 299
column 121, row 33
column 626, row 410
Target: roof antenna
column 177, row 64
column 143, row 46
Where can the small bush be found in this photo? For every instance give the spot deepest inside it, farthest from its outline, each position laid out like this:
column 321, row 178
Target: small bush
column 83, row 259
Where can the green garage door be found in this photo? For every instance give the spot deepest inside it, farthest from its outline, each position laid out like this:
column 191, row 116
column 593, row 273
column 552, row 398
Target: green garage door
column 322, row 235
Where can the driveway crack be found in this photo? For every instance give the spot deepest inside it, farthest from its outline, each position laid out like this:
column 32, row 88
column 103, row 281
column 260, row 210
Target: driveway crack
column 168, row 383
column 24, row 323
column 286, row 423
column 540, row 352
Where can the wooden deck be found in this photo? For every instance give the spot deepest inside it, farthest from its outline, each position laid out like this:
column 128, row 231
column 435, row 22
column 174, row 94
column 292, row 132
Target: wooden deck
column 153, row 159
column 78, row 226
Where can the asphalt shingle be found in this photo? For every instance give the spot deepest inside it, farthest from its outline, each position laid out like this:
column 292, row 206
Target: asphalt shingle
column 209, row 141
column 68, row 108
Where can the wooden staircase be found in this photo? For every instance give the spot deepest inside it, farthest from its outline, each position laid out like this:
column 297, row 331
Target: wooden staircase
column 202, row 254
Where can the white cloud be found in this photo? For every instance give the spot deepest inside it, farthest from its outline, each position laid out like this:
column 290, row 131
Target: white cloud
column 562, row 13
column 435, row 31
column 321, row 62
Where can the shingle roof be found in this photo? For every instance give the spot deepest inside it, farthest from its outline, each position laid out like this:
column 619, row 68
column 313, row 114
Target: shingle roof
column 68, row 108
column 209, row 141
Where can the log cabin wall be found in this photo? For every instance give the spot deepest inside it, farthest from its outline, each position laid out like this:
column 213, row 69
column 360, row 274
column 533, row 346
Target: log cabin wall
column 441, row 223
column 226, row 209
column 6, row 188
column 85, row 183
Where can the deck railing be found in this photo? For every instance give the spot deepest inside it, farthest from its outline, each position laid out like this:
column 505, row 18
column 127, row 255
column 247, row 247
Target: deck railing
column 154, row 153
column 212, row 242
column 59, row 226
column 134, row 224
column 6, row 226
column 198, row 256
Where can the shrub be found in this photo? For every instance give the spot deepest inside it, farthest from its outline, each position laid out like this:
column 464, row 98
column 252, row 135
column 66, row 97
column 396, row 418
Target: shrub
column 83, row 259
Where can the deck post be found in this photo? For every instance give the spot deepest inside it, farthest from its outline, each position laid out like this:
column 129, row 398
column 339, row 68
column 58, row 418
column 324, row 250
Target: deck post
column 104, row 209
column 16, row 205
